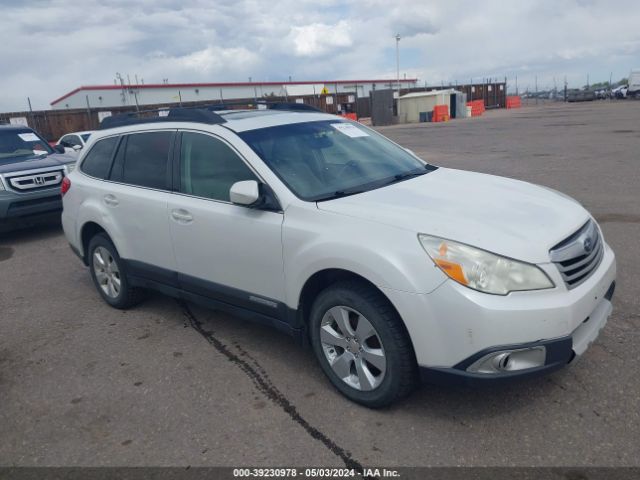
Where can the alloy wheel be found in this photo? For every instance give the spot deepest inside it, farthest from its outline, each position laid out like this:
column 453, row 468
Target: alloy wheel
column 107, row 272
column 353, row 348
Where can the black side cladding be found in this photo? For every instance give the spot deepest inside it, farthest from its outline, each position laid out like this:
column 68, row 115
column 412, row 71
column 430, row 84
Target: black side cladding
column 199, row 115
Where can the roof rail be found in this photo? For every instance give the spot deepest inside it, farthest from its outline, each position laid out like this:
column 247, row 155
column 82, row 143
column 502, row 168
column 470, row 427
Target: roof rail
column 199, row 115
column 298, row 107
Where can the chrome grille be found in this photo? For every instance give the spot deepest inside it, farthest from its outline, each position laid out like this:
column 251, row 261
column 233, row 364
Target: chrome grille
column 578, row 256
column 32, row 180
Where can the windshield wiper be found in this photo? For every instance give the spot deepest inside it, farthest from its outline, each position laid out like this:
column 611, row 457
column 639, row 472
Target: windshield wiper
column 338, row 194
column 403, row 176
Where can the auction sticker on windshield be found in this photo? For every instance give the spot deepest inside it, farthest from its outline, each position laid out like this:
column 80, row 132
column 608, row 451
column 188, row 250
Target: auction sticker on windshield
column 29, row 137
column 349, row 130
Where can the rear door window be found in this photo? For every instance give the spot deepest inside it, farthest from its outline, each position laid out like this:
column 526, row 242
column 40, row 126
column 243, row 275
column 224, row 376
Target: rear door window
column 97, row 163
column 146, row 160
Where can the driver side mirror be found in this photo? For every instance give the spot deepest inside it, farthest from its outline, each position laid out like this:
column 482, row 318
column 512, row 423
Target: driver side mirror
column 245, row 193
column 59, row 148
column 253, row 194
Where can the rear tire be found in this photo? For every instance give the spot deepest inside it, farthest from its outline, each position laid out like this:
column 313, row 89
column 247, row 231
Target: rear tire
column 108, row 274
column 361, row 344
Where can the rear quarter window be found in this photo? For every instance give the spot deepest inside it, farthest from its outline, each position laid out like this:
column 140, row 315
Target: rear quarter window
column 97, row 163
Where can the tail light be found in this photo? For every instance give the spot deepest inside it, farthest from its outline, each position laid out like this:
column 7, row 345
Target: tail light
column 65, row 186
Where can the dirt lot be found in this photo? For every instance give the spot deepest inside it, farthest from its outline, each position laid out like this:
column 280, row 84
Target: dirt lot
column 168, row 384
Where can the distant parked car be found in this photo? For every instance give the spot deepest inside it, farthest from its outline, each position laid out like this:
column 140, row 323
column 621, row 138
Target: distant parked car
column 619, row 92
column 581, row 96
column 74, row 142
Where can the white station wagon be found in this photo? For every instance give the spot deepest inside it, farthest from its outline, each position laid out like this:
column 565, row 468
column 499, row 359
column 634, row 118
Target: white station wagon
column 392, row 269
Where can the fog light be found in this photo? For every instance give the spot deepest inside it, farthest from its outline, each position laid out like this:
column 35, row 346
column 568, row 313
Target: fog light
column 505, row 361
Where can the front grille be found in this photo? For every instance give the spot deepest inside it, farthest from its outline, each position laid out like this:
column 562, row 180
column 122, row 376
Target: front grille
column 578, row 256
column 35, row 181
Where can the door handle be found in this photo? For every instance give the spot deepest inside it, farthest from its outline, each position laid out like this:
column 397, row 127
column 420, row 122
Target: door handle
column 181, row 216
column 110, row 200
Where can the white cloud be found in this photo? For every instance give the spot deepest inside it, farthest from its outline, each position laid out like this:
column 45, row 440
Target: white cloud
column 50, row 48
column 213, row 59
column 319, row 39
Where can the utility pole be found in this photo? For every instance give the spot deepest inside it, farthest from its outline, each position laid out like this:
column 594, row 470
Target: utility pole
column 89, row 123
column 610, row 86
column 123, row 90
column 398, row 61
column 536, row 89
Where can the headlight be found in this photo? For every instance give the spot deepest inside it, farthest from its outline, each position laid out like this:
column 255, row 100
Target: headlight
column 71, row 167
column 482, row 270
column 1, row 186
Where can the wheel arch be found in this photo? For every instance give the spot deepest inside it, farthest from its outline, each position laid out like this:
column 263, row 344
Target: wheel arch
column 322, row 279
column 89, row 230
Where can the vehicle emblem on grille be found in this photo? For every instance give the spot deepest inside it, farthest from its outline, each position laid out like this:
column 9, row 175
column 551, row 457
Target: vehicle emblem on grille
column 38, row 180
column 587, row 244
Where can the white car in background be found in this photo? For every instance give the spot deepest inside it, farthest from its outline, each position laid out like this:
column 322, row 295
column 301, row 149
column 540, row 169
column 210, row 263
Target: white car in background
column 74, row 142
column 390, row 268
column 619, row 92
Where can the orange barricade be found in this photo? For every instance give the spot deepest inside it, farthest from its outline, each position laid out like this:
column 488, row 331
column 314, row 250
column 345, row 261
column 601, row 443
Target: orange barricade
column 350, row 116
column 477, row 107
column 440, row 113
column 514, row 101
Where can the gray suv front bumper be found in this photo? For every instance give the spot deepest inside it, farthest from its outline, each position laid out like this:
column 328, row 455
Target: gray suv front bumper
column 16, row 207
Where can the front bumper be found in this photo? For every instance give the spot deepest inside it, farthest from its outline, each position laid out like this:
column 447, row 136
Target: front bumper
column 558, row 353
column 15, row 208
column 454, row 323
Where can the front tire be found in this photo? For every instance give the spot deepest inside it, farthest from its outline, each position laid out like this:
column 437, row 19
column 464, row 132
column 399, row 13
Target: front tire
column 361, row 344
column 107, row 272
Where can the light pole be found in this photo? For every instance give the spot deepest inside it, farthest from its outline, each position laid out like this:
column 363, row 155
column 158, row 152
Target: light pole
column 398, row 61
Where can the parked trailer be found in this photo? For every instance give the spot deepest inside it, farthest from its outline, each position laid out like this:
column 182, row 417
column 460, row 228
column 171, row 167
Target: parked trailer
column 634, row 84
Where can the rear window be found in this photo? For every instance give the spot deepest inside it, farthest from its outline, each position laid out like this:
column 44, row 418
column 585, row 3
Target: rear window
column 97, row 163
column 146, row 159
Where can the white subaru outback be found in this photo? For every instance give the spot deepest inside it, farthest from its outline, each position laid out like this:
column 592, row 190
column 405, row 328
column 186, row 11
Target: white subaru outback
column 392, row 269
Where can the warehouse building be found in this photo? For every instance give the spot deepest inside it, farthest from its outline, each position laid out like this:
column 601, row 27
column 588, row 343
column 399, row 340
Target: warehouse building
column 118, row 95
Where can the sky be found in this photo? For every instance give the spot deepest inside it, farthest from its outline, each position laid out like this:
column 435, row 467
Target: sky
column 48, row 48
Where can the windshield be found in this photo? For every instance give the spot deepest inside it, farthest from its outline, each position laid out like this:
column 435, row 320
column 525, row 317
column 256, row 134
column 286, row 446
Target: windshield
column 329, row 159
column 16, row 143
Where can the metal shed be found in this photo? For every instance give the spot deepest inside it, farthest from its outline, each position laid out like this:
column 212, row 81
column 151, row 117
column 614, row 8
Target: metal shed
column 412, row 104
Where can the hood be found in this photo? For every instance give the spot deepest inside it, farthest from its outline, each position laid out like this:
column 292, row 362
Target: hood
column 22, row 162
column 509, row 217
